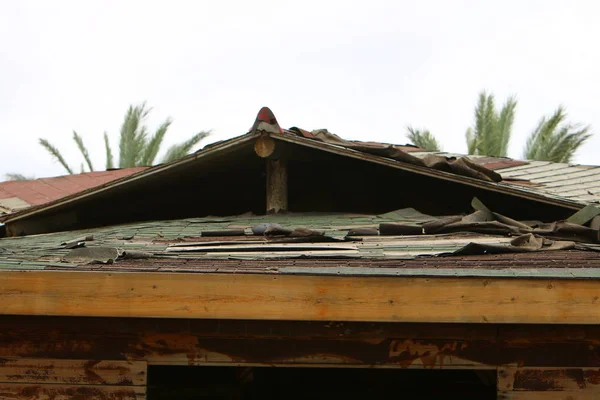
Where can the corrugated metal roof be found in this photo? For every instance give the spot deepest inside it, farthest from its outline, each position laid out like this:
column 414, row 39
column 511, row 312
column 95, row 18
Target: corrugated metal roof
column 19, row 195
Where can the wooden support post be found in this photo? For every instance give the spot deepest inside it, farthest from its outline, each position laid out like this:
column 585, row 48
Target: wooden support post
column 277, row 190
column 548, row 383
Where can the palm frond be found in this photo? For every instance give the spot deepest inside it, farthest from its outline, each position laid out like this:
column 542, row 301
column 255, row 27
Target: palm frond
column 491, row 131
column 531, row 146
column 551, row 141
column 153, row 146
column 79, row 141
column 481, row 138
column 133, row 136
column 471, row 141
column 505, row 124
column 478, row 131
column 489, row 142
column 56, row 154
column 423, row 139
column 178, row 151
column 18, row 177
column 109, row 155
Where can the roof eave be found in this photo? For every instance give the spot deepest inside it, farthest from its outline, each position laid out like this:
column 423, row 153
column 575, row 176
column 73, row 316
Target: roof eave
column 112, row 185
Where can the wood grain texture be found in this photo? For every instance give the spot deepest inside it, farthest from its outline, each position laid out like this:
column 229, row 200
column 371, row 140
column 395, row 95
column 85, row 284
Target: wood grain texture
column 576, row 395
column 552, row 383
column 264, row 146
column 294, row 297
column 285, row 343
column 17, row 391
column 79, row 372
column 277, row 186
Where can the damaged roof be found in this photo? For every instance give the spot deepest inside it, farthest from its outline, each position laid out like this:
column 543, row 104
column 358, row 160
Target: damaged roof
column 540, row 183
column 402, row 242
column 572, row 182
column 576, row 182
column 21, row 194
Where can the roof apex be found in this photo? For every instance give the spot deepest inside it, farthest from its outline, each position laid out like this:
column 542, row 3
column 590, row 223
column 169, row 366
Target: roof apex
column 265, row 122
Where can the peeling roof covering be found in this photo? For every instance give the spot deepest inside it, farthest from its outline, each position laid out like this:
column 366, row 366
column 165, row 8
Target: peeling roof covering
column 326, row 244
column 579, row 183
column 19, row 195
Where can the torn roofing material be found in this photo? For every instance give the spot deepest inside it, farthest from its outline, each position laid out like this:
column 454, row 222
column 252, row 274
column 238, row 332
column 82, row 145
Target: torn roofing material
column 521, row 176
column 459, row 166
column 473, row 172
column 319, row 244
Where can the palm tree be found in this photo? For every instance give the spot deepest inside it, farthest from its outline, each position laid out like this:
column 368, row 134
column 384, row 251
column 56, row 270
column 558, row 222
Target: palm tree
column 422, row 138
column 491, row 131
column 551, row 141
column 136, row 147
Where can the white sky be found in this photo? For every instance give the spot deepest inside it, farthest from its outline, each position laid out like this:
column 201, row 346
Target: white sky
column 362, row 69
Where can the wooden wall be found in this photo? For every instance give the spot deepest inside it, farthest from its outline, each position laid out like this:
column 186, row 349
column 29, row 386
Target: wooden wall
column 106, row 358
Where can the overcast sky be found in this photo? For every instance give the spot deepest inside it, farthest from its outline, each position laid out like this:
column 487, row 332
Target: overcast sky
column 362, row 69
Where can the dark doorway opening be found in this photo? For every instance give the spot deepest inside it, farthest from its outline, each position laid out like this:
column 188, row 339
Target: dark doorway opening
column 269, row 383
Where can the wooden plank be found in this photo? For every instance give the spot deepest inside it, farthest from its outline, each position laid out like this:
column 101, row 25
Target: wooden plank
column 277, row 186
column 186, row 349
column 17, row 391
column 79, row 372
column 300, row 297
column 549, row 379
column 16, row 326
column 263, row 247
column 387, row 353
column 536, row 383
column 423, row 349
column 293, row 343
column 576, row 395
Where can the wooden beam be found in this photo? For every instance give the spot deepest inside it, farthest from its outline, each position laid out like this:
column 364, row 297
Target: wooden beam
column 282, row 343
column 60, row 392
column 72, row 372
column 548, row 383
column 300, row 297
column 570, row 395
column 265, row 146
column 277, row 187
